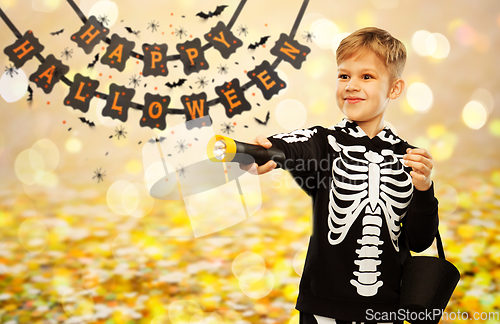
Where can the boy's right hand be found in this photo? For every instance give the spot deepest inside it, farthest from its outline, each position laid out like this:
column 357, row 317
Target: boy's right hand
column 265, row 168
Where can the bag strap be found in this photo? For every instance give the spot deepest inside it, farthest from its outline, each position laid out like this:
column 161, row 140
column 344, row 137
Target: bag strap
column 439, row 245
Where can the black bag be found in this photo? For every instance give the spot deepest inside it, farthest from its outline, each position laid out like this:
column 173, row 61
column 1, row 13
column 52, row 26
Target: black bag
column 427, row 284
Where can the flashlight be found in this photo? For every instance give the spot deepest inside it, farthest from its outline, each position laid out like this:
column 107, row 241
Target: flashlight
column 224, row 149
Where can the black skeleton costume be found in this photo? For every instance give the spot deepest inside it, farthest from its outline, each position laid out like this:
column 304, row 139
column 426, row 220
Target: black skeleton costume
column 366, row 217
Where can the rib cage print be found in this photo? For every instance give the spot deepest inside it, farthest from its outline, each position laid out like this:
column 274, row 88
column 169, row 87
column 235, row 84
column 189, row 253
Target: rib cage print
column 376, row 186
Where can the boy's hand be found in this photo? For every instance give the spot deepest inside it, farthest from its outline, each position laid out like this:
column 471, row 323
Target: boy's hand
column 265, row 168
column 421, row 162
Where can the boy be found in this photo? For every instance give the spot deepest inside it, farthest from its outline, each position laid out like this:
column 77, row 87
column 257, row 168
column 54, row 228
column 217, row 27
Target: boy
column 378, row 202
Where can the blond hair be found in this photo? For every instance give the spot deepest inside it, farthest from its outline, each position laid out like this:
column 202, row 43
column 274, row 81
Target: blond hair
column 379, row 41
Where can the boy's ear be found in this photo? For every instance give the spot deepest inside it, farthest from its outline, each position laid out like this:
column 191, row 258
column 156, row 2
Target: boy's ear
column 397, row 88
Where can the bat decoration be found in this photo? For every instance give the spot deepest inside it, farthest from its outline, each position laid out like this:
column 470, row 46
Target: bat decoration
column 96, row 58
column 86, row 121
column 175, row 84
column 131, row 31
column 30, row 91
column 263, row 122
column 152, row 141
column 57, row 32
column 210, row 14
column 262, row 41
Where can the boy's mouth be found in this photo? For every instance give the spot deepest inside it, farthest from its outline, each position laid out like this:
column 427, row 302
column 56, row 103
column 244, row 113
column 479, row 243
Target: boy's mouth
column 353, row 100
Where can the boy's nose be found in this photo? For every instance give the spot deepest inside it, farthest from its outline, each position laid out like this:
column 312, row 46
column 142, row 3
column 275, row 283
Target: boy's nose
column 352, row 85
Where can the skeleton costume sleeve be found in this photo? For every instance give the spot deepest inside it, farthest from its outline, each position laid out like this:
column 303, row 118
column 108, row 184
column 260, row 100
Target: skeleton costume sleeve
column 366, row 217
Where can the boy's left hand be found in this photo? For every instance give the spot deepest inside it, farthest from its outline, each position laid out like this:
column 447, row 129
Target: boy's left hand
column 421, row 163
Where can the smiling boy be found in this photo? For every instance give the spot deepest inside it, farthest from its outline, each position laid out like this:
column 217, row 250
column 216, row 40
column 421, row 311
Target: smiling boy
column 379, row 202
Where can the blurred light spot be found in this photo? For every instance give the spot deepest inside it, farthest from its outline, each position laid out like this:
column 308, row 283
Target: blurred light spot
column 130, row 198
column 337, row 39
column 5, row 4
column 385, row 4
column 78, row 304
column 419, row 96
column 485, row 97
column 115, row 196
column 324, row 31
column 13, row 88
column 364, row 19
column 161, row 319
column 422, row 141
column 465, row 35
column 437, row 45
column 141, row 203
column 128, row 249
column 29, row 166
column 45, row 5
column 494, row 127
column 419, row 41
column 181, row 311
column 319, row 107
column 295, row 319
column 435, row 131
column 73, row 145
column 260, row 288
column 203, row 318
column 448, row 199
column 248, row 267
column 318, row 67
column 50, row 153
column 474, row 114
column 33, row 235
column 291, row 114
column 299, row 259
column 134, row 166
column 105, row 8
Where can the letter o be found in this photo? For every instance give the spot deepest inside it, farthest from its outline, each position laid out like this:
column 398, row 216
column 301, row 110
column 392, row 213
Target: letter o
column 152, row 106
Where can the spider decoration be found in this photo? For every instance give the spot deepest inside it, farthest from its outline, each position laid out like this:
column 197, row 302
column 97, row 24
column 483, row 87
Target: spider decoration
column 181, row 171
column 136, row 81
column 67, row 53
column 180, row 32
column 103, row 20
column 308, row 36
column 153, row 25
column 202, row 81
column 223, row 69
column 227, row 128
column 119, row 132
column 181, row 145
column 243, row 30
column 99, row 175
column 10, row 70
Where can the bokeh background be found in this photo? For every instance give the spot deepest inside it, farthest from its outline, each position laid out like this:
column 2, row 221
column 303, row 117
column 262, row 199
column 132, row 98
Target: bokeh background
column 78, row 249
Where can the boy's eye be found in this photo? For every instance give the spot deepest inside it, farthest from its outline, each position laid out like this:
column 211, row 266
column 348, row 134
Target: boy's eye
column 367, row 77
column 343, row 76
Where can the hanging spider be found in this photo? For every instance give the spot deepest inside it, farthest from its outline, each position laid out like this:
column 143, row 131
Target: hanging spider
column 308, row 36
column 119, row 132
column 227, row 128
column 243, row 30
column 99, row 175
column 180, row 32
column 223, row 69
column 136, row 81
column 153, row 25
column 103, row 20
column 202, row 81
column 181, row 145
column 67, row 53
column 181, row 171
column 10, row 70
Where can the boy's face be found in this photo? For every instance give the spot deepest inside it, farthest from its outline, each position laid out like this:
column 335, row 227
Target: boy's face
column 364, row 88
